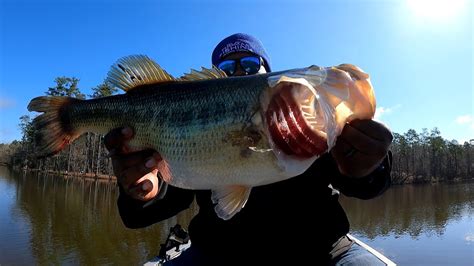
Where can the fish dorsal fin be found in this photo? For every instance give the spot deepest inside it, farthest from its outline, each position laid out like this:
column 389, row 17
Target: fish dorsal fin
column 205, row 73
column 230, row 200
column 135, row 70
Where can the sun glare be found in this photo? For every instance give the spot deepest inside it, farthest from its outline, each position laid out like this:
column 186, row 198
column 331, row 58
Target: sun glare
column 436, row 9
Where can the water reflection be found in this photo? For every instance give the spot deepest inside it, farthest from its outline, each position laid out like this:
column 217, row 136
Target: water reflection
column 71, row 220
column 412, row 210
column 55, row 220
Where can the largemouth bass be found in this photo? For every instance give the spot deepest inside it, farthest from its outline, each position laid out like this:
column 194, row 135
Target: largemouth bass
column 227, row 134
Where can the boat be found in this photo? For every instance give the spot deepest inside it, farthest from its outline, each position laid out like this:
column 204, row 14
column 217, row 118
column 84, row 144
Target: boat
column 377, row 254
column 178, row 241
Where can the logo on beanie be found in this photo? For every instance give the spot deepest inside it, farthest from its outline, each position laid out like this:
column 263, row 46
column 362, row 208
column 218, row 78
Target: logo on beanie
column 236, row 46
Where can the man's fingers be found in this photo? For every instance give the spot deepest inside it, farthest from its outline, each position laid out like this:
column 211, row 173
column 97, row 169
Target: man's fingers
column 139, row 166
column 124, row 161
column 373, row 129
column 354, row 163
column 142, row 187
column 145, row 188
column 361, row 147
column 116, row 139
column 342, row 149
column 361, row 141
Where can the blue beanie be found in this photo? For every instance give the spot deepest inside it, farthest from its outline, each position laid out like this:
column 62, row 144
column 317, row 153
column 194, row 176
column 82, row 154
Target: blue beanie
column 240, row 42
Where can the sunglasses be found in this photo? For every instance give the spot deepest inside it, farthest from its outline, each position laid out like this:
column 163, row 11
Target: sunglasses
column 250, row 64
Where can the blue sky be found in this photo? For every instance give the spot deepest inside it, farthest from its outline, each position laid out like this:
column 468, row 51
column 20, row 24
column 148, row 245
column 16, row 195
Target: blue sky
column 419, row 55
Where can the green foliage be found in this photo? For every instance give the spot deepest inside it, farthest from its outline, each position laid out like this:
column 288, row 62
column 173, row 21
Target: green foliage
column 23, row 154
column 103, row 90
column 66, row 86
column 27, row 130
column 427, row 157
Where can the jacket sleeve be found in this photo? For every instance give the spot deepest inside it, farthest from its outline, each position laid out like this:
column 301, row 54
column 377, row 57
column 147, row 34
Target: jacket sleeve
column 136, row 214
column 367, row 187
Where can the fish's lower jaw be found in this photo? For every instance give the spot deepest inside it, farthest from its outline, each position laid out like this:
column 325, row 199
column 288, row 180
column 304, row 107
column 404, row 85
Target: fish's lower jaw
column 294, row 126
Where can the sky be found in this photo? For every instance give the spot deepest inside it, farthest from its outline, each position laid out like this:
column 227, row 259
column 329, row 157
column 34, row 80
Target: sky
column 418, row 53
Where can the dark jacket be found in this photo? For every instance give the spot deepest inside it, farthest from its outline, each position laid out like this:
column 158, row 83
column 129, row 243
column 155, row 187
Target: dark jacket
column 281, row 220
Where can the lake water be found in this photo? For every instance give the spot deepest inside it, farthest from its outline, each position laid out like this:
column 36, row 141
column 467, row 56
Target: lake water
column 418, row 225
column 54, row 220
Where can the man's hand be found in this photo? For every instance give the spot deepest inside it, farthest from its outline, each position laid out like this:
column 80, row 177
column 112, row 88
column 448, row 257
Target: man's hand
column 361, row 147
column 137, row 171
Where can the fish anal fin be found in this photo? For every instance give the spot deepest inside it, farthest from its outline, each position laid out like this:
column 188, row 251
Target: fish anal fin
column 136, row 70
column 230, row 200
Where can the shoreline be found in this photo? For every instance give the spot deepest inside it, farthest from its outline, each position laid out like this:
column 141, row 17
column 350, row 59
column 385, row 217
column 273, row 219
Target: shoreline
column 66, row 174
column 104, row 177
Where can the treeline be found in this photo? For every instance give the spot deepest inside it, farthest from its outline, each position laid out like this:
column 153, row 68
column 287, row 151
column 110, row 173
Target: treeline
column 85, row 156
column 418, row 157
column 427, row 157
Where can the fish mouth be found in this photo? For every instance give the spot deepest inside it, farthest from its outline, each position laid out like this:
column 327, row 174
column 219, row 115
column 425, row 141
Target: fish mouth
column 294, row 121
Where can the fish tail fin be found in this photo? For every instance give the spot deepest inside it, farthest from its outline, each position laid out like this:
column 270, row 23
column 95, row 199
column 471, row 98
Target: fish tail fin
column 53, row 130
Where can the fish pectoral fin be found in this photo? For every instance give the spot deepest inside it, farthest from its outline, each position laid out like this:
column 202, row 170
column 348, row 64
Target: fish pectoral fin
column 230, row 200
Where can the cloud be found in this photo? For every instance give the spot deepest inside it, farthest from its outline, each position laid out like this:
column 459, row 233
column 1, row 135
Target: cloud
column 381, row 111
column 465, row 120
column 6, row 103
column 469, row 237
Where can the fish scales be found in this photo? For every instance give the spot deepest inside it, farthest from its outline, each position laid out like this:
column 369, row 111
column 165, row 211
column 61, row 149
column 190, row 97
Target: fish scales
column 189, row 124
column 212, row 131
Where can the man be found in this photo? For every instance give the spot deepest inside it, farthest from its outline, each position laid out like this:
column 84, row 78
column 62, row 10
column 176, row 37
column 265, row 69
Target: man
column 298, row 220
